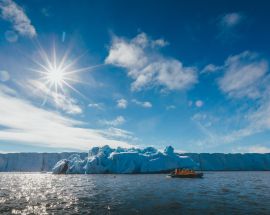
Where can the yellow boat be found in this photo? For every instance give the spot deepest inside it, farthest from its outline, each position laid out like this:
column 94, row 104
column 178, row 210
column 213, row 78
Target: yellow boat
column 185, row 173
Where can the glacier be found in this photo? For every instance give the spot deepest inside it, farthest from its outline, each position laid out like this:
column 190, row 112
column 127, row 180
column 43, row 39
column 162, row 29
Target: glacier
column 37, row 162
column 32, row 161
column 123, row 161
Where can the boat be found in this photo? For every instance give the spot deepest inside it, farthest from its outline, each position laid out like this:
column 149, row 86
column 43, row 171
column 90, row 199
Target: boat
column 185, row 173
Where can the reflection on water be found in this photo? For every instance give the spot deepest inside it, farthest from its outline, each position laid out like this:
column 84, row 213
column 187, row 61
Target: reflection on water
column 218, row 192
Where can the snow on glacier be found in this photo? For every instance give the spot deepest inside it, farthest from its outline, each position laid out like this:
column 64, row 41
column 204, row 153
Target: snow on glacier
column 120, row 160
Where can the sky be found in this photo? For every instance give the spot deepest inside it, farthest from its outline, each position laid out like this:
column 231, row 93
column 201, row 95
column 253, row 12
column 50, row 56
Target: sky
column 78, row 74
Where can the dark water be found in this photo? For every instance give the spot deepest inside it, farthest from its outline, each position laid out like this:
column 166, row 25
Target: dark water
column 217, row 193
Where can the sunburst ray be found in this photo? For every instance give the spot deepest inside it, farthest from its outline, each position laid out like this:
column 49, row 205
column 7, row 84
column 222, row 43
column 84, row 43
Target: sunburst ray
column 58, row 74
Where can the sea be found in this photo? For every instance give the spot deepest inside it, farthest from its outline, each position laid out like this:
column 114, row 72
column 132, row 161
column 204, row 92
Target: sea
column 216, row 193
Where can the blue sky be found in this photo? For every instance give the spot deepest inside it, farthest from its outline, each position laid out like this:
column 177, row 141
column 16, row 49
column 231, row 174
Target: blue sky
column 191, row 74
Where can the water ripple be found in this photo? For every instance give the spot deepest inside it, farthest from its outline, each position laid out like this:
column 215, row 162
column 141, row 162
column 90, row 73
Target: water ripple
column 218, row 192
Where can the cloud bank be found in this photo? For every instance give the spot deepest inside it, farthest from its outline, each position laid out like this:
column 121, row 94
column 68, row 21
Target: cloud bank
column 23, row 122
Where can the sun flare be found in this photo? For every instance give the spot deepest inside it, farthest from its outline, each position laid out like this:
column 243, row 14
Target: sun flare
column 58, row 75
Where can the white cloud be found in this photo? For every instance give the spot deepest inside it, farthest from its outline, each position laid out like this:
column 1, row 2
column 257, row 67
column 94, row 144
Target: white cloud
column 199, row 117
column 64, row 102
column 120, row 133
column 229, row 24
column 199, row 103
column 144, row 104
column 13, row 13
column 170, row 107
column 259, row 149
column 4, row 75
column 243, row 75
column 147, row 66
column 125, row 54
column 251, row 122
column 98, row 106
column 211, row 68
column 253, row 149
column 204, row 121
column 231, row 19
column 115, row 122
column 160, row 42
column 7, row 90
column 122, row 103
column 25, row 123
column 67, row 104
column 257, row 121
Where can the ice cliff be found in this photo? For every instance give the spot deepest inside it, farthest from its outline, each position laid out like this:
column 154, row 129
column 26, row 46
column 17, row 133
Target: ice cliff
column 232, row 162
column 36, row 162
column 31, row 162
column 107, row 160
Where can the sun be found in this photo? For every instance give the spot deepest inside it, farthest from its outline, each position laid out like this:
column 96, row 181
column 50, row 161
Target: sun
column 58, row 74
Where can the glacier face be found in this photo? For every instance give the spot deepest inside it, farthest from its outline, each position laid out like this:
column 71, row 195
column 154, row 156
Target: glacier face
column 107, row 160
column 32, row 162
column 232, row 162
column 36, row 162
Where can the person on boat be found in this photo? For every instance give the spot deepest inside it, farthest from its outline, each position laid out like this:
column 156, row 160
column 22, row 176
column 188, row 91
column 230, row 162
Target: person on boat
column 177, row 171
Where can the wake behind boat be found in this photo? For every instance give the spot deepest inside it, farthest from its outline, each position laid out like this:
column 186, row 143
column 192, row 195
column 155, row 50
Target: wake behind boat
column 185, row 173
